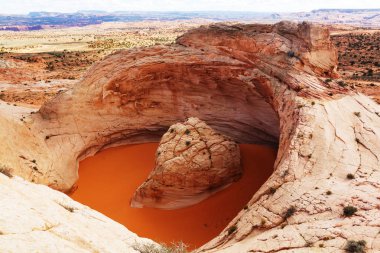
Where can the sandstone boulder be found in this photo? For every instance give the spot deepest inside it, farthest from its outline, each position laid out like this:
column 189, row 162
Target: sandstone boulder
column 192, row 162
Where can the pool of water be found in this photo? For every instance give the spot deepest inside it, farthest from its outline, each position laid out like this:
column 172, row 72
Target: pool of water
column 108, row 180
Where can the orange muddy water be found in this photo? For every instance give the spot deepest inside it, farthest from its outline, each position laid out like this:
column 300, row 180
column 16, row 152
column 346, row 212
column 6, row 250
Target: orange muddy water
column 108, row 180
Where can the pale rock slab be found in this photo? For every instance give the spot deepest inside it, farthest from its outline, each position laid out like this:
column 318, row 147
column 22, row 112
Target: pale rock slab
column 35, row 218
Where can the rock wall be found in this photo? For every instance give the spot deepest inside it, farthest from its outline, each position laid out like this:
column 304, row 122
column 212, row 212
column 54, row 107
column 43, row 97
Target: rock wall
column 327, row 165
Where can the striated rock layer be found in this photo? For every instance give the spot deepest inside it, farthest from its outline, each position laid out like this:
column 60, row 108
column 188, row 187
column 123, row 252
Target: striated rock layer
column 192, row 163
column 253, row 83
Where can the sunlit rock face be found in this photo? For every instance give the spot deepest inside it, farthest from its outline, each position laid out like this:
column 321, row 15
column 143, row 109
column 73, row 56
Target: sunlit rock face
column 192, row 162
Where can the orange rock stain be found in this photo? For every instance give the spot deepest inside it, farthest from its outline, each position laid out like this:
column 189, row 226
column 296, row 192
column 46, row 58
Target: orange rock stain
column 108, row 180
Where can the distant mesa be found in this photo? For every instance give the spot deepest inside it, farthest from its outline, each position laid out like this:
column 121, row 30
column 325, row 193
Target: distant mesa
column 43, row 14
column 346, row 10
column 360, row 17
column 21, row 28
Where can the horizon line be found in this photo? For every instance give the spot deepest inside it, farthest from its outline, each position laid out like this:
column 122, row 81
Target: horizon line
column 198, row 11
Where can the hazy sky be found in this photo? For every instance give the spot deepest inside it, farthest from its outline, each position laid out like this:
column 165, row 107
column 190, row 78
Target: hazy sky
column 25, row 6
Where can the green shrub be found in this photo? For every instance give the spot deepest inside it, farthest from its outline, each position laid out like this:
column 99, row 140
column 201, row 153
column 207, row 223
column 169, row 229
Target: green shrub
column 272, row 190
column 349, row 211
column 291, row 54
column 231, row 229
column 289, row 212
column 342, row 84
column 355, row 246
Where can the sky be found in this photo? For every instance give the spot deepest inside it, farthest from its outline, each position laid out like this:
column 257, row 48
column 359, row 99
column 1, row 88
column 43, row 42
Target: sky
column 26, row 6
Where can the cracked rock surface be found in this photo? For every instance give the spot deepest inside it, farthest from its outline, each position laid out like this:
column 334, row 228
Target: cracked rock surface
column 192, row 162
column 331, row 162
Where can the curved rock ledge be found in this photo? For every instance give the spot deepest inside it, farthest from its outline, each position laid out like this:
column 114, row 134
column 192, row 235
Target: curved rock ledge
column 254, row 83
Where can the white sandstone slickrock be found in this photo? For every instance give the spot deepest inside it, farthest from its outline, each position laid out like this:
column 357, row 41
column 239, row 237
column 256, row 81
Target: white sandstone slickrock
column 36, row 218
